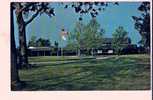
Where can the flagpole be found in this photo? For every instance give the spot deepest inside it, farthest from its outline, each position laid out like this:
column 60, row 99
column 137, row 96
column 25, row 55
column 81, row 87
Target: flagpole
column 63, row 34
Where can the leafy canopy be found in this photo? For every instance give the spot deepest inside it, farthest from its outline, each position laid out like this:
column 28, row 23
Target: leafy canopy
column 87, row 36
column 142, row 23
column 120, row 39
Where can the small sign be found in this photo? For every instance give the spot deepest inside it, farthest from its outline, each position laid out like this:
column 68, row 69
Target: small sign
column 110, row 51
column 100, row 51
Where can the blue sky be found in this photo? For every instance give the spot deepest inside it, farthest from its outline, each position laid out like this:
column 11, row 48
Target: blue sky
column 114, row 16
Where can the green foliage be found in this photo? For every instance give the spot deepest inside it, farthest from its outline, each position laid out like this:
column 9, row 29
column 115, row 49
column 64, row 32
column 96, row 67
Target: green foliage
column 120, row 39
column 87, row 36
column 43, row 42
column 142, row 23
column 79, row 34
column 93, row 37
column 56, row 44
column 32, row 41
column 39, row 42
column 71, row 46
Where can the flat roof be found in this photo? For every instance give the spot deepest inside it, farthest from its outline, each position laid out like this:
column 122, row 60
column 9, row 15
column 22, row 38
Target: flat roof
column 40, row 48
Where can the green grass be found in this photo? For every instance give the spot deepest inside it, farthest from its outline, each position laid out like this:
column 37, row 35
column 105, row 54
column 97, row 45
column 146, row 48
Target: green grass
column 51, row 58
column 129, row 72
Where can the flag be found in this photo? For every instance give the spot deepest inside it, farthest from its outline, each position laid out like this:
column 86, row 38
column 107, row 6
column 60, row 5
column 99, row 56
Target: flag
column 64, row 34
column 64, row 38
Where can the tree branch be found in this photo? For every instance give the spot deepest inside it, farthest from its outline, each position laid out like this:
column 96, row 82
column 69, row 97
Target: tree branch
column 26, row 7
column 33, row 17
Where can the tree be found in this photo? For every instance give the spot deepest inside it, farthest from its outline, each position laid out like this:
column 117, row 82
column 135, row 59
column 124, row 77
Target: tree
column 15, row 81
column 92, row 36
column 32, row 41
column 120, row 39
column 71, row 46
column 78, row 36
column 22, row 9
column 47, row 43
column 43, row 42
column 87, row 36
column 39, row 42
column 142, row 23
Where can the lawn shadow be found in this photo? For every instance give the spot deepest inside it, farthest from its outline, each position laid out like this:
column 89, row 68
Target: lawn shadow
column 81, row 80
column 61, row 63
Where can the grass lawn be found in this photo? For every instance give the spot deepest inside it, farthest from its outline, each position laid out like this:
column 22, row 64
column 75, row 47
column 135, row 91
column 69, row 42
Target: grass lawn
column 129, row 72
column 55, row 58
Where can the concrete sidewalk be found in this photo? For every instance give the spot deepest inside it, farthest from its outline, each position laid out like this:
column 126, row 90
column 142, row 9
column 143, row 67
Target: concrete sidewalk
column 70, row 61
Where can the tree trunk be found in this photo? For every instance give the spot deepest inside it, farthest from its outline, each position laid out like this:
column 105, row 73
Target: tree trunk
column 23, row 57
column 15, row 81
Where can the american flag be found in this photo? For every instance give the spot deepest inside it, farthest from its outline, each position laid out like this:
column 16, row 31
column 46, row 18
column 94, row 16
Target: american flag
column 64, row 34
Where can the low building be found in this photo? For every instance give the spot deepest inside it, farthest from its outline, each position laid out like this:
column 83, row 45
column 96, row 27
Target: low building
column 39, row 51
column 105, row 48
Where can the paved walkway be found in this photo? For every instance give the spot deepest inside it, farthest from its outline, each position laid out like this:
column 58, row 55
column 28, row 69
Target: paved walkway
column 69, row 61
column 104, row 57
